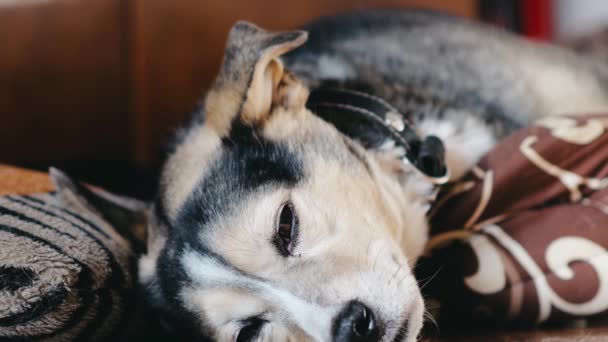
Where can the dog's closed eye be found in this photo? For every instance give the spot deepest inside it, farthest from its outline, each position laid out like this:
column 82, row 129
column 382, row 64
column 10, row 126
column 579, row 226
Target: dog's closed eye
column 250, row 329
column 286, row 231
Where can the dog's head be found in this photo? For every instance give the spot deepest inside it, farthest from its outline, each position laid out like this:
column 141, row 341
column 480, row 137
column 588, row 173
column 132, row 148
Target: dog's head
column 271, row 225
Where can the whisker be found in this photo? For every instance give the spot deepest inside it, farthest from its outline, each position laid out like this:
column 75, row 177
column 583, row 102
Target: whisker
column 428, row 280
column 376, row 260
column 405, row 276
column 395, row 274
column 429, row 318
column 369, row 245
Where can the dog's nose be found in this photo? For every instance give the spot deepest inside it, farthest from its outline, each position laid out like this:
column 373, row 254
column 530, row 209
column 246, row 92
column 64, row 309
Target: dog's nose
column 356, row 323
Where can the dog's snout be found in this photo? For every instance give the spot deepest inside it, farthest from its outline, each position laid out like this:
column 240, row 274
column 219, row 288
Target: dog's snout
column 356, row 323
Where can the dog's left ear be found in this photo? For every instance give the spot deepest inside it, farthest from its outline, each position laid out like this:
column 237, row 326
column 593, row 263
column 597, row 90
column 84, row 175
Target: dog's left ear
column 252, row 80
column 126, row 215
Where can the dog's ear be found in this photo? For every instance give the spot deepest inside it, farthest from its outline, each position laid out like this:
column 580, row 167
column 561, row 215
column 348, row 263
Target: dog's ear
column 126, row 215
column 252, row 79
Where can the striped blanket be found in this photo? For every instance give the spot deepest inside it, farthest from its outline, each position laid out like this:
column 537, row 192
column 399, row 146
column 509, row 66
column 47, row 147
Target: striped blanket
column 65, row 272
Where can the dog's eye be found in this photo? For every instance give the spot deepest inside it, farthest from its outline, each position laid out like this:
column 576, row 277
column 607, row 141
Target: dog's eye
column 286, row 231
column 251, row 329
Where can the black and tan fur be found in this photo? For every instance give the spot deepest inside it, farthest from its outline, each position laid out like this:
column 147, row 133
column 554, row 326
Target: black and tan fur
column 214, row 267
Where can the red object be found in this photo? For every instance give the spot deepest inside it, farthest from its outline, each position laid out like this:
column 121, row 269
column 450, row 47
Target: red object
column 537, row 19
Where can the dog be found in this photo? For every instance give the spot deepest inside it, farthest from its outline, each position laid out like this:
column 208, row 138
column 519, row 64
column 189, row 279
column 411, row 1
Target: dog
column 271, row 224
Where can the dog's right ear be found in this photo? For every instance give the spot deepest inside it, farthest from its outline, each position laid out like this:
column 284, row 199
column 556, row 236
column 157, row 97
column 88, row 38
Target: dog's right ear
column 252, row 79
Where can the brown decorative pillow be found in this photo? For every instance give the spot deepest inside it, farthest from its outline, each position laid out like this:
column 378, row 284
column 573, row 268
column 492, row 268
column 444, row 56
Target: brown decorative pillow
column 522, row 238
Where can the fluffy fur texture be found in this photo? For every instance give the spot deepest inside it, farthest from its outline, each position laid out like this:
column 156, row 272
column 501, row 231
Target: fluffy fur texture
column 213, row 267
